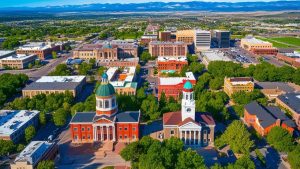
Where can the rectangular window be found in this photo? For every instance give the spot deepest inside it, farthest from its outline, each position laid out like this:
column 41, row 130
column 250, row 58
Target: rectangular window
column 82, row 129
column 75, row 128
column 75, row 137
column 83, row 137
column 172, row 132
column 89, row 137
column 133, row 136
column 120, row 137
column 133, row 129
column 125, row 128
column 125, row 136
column 88, row 129
column 120, row 128
column 204, row 140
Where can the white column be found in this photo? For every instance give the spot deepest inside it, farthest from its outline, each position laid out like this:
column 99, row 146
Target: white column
column 199, row 138
column 180, row 134
column 194, row 142
column 184, row 136
column 114, row 133
column 101, row 127
column 107, row 130
column 94, row 135
column 190, row 132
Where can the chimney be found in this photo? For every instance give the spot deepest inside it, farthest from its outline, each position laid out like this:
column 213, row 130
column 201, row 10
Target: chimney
column 278, row 122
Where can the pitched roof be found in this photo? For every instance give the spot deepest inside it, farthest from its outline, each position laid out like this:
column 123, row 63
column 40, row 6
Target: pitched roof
column 292, row 100
column 278, row 114
column 187, row 120
column 128, row 116
column 275, row 85
column 172, row 118
column 205, row 118
column 83, row 117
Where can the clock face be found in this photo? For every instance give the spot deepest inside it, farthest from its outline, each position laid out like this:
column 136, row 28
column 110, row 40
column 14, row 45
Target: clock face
column 188, row 110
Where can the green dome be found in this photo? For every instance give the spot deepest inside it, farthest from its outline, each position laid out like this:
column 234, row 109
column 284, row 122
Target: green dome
column 105, row 90
column 188, row 85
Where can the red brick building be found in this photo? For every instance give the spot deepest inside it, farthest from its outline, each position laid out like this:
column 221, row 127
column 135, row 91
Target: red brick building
column 106, row 124
column 291, row 58
column 165, row 64
column 173, row 86
column 267, row 51
column 264, row 118
column 158, row 48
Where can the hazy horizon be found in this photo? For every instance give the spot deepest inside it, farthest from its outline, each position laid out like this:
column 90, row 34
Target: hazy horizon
column 43, row 3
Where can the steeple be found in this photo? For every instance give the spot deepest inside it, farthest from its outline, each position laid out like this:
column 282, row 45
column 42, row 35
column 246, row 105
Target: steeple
column 104, row 78
column 188, row 102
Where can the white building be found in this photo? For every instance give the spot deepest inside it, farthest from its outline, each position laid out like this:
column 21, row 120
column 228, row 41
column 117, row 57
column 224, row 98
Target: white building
column 35, row 152
column 213, row 55
column 14, row 122
column 18, row 61
column 6, row 53
column 202, row 40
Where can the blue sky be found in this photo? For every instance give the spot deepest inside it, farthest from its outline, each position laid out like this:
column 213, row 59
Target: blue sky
column 35, row 3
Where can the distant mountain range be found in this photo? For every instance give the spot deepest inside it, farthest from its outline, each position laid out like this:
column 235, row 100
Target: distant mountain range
column 167, row 7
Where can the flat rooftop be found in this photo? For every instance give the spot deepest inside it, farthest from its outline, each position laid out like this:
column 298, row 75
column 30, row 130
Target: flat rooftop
column 202, row 31
column 12, row 120
column 175, row 58
column 19, row 57
column 114, row 76
column 253, row 40
column 166, row 43
column 215, row 55
column 34, row 152
column 35, row 46
column 61, row 79
column 176, row 80
column 6, row 52
column 275, row 85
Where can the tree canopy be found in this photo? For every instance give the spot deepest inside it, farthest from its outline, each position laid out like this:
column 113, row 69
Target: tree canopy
column 281, row 139
column 46, row 164
column 29, row 133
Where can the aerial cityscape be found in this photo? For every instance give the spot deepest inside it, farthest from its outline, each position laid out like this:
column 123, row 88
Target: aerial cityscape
column 163, row 84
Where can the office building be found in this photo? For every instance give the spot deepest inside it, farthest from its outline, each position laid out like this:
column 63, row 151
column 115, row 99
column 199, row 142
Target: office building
column 193, row 128
column 291, row 102
column 221, row 38
column 257, row 46
column 35, row 152
column 264, row 118
column 186, row 36
column 41, row 49
column 107, row 124
column 55, row 84
column 14, row 122
column 157, row 48
column 18, row 61
column 146, row 39
column 236, row 84
column 106, row 51
column 164, row 36
column 202, row 40
column 171, row 64
column 172, row 86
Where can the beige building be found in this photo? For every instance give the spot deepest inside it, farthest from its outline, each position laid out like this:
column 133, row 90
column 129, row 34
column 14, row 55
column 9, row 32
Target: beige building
column 55, row 84
column 187, row 36
column 236, row 84
column 158, row 48
column 35, row 152
column 19, row 61
column 257, row 46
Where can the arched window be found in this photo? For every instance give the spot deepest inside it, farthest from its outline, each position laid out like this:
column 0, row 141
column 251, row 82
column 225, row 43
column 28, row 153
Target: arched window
column 106, row 104
column 191, row 96
column 186, row 96
column 100, row 104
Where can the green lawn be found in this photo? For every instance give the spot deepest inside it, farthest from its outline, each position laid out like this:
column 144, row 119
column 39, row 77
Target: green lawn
column 289, row 40
column 237, row 36
column 275, row 44
column 283, row 42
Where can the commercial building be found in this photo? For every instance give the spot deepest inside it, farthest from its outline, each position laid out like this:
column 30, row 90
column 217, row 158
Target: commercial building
column 221, row 38
column 35, row 152
column 290, row 58
column 213, row 55
column 55, row 84
column 194, row 129
column 107, row 124
column 152, row 29
column 146, row 39
column 6, row 53
column 122, row 79
column 202, row 40
column 164, row 36
column 128, row 62
column 171, row 64
column 157, row 48
column 236, row 84
column 186, row 36
column 273, row 89
column 107, row 51
column 257, row 46
column 19, row 61
column 41, row 49
column 172, row 86
column 291, row 102
column 264, row 118
column 14, row 122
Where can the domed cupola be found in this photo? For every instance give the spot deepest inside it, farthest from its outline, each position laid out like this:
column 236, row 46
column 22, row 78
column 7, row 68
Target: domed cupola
column 106, row 103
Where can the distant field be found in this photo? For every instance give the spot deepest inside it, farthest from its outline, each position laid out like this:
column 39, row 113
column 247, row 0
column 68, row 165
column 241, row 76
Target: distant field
column 236, row 36
column 283, row 42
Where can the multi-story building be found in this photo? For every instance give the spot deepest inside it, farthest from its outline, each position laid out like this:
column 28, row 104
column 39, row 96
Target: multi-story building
column 146, row 39
column 107, row 123
column 194, row 129
column 171, row 64
column 186, row 36
column 14, row 122
column 35, row 152
column 106, row 51
column 55, row 84
column 221, row 38
column 172, row 86
column 41, row 49
column 291, row 102
column 122, row 79
column 164, row 36
column 257, row 46
column 152, row 29
column 128, row 62
column 202, row 40
column 291, row 58
column 264, row 118
column 157, row 48
column 19, row 61
column 237, row 84
column 6, row 53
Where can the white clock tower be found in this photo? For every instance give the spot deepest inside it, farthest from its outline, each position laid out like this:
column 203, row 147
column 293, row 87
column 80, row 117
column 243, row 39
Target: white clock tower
column 188, row 102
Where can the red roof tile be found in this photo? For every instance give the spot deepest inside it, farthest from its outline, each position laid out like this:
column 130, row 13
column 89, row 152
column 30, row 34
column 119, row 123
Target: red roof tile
column 207, row 119
column 172, row 118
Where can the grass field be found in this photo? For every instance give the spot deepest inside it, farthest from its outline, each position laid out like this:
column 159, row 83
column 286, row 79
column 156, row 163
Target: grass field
column 236, row 36
column 283, row 42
